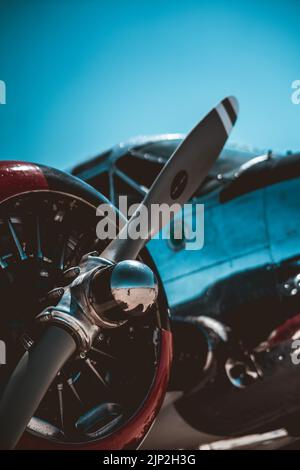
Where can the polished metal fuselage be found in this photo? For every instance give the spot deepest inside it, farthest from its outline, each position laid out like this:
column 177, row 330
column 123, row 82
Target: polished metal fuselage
column 251, row 250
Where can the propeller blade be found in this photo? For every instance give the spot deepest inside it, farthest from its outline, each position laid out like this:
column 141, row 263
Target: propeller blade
column 180, row 177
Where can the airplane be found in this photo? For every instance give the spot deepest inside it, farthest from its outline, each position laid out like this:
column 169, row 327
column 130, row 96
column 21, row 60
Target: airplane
column 118, row 345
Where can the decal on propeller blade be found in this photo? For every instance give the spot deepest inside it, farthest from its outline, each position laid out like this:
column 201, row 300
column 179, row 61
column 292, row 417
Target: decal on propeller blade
column 179, row 184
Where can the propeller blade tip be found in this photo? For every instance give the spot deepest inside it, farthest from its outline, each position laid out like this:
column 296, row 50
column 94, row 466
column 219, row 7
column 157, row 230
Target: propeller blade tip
column 228, row 110
column 234, row 103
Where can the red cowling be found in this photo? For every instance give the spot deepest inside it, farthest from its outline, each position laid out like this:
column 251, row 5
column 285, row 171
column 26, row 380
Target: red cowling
column 21, row 177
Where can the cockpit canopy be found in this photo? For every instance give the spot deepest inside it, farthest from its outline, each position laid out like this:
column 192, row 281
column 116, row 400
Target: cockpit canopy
column 130, row 168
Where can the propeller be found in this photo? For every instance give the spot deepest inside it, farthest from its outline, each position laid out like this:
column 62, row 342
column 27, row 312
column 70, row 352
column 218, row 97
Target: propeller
column 176, row 183
column 180, row 177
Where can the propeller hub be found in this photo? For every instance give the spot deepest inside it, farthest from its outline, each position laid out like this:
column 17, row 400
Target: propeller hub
column 126, row 289
column 134, row 287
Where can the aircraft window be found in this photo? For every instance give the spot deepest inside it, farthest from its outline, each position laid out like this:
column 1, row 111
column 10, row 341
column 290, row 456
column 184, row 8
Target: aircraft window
column 82, row 167
column 141, row 171
column 101, row 183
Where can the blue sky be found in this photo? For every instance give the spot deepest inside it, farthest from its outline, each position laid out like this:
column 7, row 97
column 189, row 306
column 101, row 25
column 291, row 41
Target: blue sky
column 82, row 75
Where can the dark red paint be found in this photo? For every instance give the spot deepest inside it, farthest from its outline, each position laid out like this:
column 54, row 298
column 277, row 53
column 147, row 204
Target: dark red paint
column 282, row 333
column 20, row 177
